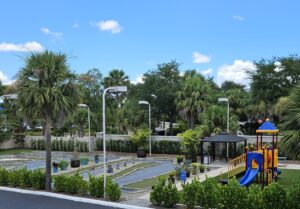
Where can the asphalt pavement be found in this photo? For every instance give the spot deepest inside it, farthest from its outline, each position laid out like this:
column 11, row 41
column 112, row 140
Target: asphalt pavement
column 14, row 200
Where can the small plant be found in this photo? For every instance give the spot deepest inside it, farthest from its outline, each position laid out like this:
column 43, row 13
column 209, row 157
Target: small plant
column 84, row 161
column 38, row 179
column 96, row 159
column 170, row 195
column 179, row 159
column 4, row 175
column 201, row 168
column 63, row 165
column 178, row 170
column 187, row 168
column 190, row 193
column 112, row 190
column 95, row 186
column 157, row 195
column 194, row 168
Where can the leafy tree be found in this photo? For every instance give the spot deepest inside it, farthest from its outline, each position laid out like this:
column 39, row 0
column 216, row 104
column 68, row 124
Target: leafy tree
column 193, row 97
column 229, row 85
column 47, row 87
column 80, row 118
column 164, row 82
column 291, row 125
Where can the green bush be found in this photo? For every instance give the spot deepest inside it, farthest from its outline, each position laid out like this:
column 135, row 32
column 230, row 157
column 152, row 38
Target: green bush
column 157, row 194
column 232, row 196
column 112, row 190
column 274, row 196
column 209, row 194
column 24, row 178
column 63, row 165
column 14, row 178
column 293, row 196
column 4, row 175
column 38, row 179
column 59, row 183
column 255, row 197
column 95, row 186
column 70, row 184
column 170, row 195
column 190, row 193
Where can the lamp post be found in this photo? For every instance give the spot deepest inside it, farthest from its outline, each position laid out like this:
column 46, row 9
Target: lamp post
column 110, row 89
column 147, row 103
column 89, row 121
column 226, row 100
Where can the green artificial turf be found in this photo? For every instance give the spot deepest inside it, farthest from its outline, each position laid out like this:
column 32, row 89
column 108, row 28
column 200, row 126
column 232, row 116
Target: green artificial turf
column 13, row 151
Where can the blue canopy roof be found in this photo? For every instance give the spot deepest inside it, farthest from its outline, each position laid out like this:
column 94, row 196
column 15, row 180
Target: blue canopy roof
column 267, row 126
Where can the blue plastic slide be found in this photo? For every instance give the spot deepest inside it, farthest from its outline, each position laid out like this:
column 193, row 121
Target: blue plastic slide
column 249, row 176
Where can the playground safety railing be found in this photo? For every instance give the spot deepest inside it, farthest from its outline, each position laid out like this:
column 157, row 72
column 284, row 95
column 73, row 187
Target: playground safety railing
column 236, row 165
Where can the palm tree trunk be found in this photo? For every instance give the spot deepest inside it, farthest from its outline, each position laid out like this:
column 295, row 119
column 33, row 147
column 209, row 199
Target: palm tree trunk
column 192, row 121
column 81, row 130
column 48, row 150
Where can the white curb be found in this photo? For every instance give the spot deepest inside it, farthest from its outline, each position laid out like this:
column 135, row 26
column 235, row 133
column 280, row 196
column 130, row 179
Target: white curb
column 72, row 198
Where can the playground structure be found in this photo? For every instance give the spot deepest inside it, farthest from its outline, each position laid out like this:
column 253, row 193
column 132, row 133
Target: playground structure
column 260, row 162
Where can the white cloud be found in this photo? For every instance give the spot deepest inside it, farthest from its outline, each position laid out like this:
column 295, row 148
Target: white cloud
column 27, row 47
column 109, row 25
column 237, row 72
column 5, row 80
column 139, row 79
column 200, row 58
column 206, row 72
column 75, row 25
column 238, row 17
column 55, row 35
column 278, row 66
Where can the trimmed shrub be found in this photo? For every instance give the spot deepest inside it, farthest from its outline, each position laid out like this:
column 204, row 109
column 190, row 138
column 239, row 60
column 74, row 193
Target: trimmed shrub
column 4, row 177
column 274, row 196
column 95, row 186
column 59, row 183
column 209, row 194
column 293, row 196
column 232, row 196
column 38, row 179
column 255, row 197
column 24, row 178
column 170, row 195
column 157, row 194
column 14, row 178
column 112, row 190
column 190, row 193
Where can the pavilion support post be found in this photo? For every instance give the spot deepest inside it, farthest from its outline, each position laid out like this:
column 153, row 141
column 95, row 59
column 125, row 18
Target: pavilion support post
column 213, row 144
column 234, row 150
column 201, row 152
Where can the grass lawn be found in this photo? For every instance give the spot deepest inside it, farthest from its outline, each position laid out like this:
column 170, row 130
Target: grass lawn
column 13, row 151
column 132, row 168
column 145, row 183
column 288, row 177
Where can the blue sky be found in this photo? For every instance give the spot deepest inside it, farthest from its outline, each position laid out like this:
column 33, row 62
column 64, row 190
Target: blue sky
column 218, row 38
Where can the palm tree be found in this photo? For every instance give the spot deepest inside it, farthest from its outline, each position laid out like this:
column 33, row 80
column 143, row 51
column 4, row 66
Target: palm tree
column 116, row 78
column 290, row 124
column 46, row 88
column 193, row 97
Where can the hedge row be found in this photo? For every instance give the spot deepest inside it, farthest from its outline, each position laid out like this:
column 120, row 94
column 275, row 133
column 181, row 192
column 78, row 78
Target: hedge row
column 23, row 178
column 159, row 147
column 94, row 187
column 209, row 194
column 60, row 145
column 74, row 184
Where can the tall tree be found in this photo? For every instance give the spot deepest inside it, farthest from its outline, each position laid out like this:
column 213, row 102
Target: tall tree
column 290, row 124
column 164, row 82
column 193, row 97
column 46, row 88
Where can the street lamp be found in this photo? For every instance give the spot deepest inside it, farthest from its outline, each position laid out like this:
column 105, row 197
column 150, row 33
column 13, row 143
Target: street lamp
column 89, row 121
column 147, row 103
column 110, row 89
column 226, row 100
